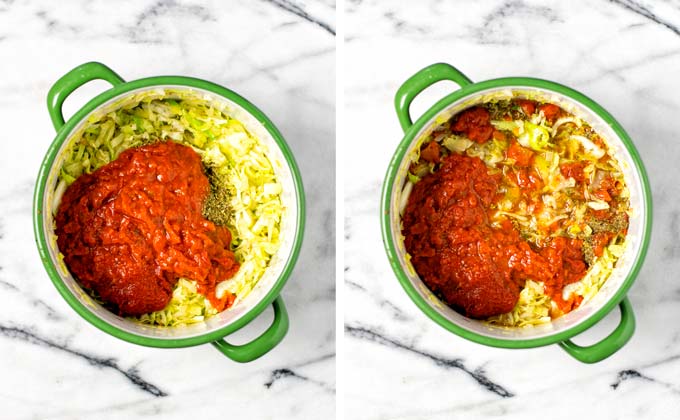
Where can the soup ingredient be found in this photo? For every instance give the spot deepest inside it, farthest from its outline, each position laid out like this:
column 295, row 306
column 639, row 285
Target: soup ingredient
column 216, row 207
column 475, row 124
column 132, row 228
column 186, row 306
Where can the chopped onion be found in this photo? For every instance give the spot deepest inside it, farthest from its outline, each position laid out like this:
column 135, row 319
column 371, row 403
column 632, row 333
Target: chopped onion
column 598, row 205
column 562, row 121
column 589, row 146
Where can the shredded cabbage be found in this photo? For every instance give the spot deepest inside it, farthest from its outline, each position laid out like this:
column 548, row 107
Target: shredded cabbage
column 534, row 136
column 532, row 308
column 457, row 144
column 492, row 152
column 187, row 306
column 238, row 160
column 589, row 146
column 600, row 271
column 516, row 127
column 562, row 121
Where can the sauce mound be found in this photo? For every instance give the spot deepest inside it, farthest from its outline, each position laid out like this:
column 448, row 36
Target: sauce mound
column 477, row 268
column 132, row 228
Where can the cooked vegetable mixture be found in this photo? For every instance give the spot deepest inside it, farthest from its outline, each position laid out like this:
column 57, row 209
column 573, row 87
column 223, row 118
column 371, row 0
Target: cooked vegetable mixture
column 243, row 194
column 517, row 212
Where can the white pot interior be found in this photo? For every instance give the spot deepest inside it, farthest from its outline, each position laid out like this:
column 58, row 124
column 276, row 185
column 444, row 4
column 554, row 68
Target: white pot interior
column 624, row 264
column 276, row 265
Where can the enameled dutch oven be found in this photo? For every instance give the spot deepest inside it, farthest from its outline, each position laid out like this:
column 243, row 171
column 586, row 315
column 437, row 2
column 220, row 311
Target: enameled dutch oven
column 267, row 290
column 613, row 292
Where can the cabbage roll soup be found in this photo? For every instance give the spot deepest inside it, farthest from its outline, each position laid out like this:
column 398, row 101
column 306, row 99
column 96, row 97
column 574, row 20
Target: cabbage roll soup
column 516, row 212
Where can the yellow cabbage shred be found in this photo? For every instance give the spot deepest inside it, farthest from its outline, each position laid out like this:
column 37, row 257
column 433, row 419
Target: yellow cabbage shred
column 187, row 306
column 532, row 308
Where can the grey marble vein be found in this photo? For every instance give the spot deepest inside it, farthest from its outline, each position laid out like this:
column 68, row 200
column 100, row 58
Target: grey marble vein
column 132, row 374
column 53, row 25
column 642, row 10
column 619, row 71
column 493, row 30
column 479, row 375
column 396, row 312
column 37, row 303
column 629, row 374
column 143, row 30
column 278, row 375
column 271, row 70
column 298, row 10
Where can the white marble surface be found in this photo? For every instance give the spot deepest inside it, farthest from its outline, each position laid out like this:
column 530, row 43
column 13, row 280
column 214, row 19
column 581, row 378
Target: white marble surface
column 278, row 54
column 400, row 365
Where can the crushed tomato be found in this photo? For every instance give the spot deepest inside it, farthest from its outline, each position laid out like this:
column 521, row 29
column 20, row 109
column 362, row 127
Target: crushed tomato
column 475, row 123
column 133, row 227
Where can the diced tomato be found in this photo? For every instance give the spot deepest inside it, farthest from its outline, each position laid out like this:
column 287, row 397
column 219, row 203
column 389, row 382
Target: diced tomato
column 550, row 111
column 602, row 194
column 528, row 179
column 606, row 188
column 527, row 106
column 430, row 152
column 600, row 241
column 564, row 306
column 480, row 134
column 597, row 140
column 573, row 170
column 475, row 124
column 520, row 154
column 538, row 207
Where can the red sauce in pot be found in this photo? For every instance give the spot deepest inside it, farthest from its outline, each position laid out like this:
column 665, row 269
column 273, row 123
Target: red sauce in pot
column 474, row 266
column 132, row 228
column 475, row 124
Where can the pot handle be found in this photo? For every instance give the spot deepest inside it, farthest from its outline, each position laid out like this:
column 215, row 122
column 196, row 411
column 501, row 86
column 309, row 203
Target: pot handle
column 262, row 344
column 71, row 81
column 419, row 82
column 611, row 344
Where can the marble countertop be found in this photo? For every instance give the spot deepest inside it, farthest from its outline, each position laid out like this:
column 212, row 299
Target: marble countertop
column 278, row 54
column 400, row 365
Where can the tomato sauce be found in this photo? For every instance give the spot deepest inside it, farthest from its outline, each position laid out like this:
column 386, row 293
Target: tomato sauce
column 475, row 123
column 474, row 266
column 129, row 230
column 551, row 111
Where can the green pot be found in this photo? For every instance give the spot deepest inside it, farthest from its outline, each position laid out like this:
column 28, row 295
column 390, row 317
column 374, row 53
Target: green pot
column 562, row 329
column 213, row 330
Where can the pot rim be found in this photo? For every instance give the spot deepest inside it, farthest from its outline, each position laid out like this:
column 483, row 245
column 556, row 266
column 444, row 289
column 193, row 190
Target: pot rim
column 51, row 154
column 389, row 240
